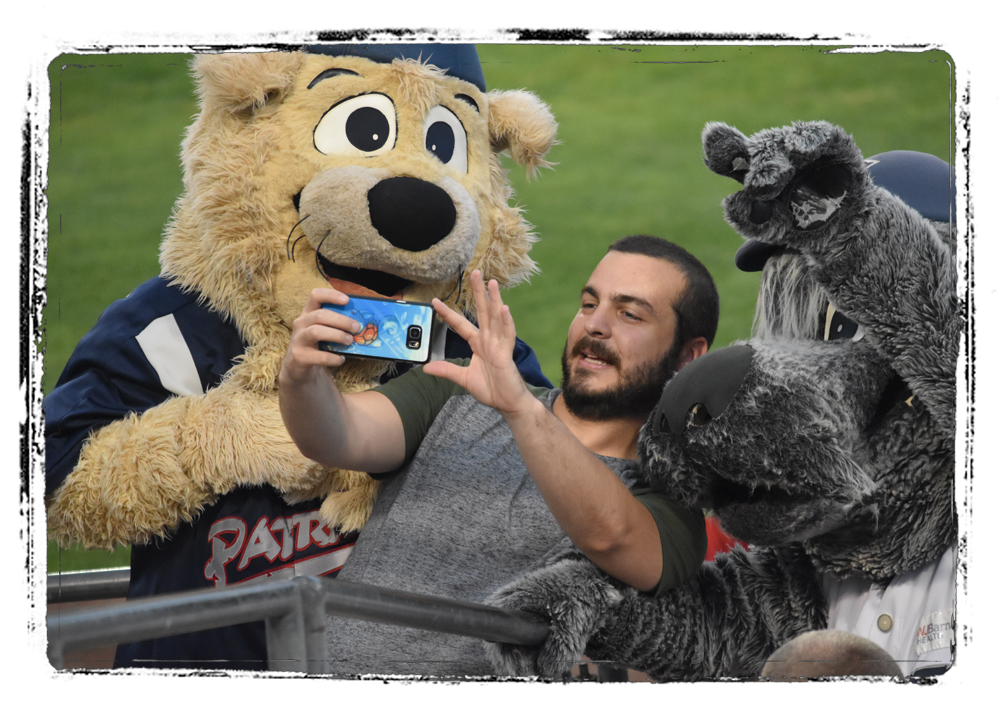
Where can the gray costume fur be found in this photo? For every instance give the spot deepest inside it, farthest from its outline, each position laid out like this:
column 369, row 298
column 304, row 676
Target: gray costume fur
column 827, row 456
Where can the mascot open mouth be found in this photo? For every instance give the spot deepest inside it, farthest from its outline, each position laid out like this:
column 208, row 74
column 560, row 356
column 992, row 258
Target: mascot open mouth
column 767, row 515
column 361, row 281
column 723, row 492
column 349, row 279
column 762, row 513
column 895, row 392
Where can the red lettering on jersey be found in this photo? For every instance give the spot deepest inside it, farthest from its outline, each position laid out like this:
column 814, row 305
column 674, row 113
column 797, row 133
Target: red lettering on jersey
column 287, row 537
column 223, row 552
column 261, row 543
column 297, row 533
column 302, row 524
column 323, row 536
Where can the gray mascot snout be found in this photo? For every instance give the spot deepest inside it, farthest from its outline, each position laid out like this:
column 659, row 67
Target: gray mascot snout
column 826, row 441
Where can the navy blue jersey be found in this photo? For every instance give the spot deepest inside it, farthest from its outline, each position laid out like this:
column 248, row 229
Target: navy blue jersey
column 161, row 342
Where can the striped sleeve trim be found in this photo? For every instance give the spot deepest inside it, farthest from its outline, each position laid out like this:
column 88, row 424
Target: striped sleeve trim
column 167, row 352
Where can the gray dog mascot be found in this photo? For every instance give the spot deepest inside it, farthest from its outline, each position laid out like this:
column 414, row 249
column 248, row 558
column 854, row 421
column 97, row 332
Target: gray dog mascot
column 826, row 441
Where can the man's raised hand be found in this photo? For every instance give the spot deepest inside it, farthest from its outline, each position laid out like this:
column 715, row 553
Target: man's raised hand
column 491, row 376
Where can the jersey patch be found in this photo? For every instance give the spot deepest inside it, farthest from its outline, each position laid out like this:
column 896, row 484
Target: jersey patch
column 936, row 630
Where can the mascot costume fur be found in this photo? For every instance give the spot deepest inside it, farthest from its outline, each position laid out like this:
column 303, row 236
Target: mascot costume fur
column 826, row 441
column 375, row 168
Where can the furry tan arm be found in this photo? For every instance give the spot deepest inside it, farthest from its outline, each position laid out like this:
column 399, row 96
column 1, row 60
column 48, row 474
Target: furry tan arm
column 143, row 475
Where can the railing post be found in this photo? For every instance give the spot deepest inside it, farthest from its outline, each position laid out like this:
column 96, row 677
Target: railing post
column 296, row 641
column 55, row 652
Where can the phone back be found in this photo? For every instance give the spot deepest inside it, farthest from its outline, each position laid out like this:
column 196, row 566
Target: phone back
column 392, row 330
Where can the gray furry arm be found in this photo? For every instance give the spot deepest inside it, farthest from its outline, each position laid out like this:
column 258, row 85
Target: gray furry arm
column 806, row 187
column 725, row 622
column 904, row 294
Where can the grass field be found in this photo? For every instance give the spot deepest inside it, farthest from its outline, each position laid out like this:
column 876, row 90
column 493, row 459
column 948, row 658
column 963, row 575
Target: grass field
column 630, row 162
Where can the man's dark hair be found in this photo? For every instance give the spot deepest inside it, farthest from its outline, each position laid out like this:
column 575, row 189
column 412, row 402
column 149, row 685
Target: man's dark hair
column 697, row 308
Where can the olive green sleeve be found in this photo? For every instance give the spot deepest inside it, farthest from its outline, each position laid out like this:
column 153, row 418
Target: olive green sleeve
column 418, row 397
column 682, row 536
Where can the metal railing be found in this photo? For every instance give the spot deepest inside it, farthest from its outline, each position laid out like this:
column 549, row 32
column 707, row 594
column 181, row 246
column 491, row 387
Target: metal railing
column 88, row 585
column 294, row 612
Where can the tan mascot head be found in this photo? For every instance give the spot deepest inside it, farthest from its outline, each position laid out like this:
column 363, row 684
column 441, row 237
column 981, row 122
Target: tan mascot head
column 374, row 168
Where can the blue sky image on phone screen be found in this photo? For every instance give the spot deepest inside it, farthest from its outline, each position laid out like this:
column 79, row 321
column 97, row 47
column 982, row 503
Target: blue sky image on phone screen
column 384, row 329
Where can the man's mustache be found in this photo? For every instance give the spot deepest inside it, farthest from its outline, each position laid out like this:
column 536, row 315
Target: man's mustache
column 597, row 348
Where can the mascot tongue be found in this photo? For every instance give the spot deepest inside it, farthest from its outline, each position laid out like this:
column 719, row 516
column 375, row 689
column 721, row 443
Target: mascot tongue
column 354, row 289
column 362, row 281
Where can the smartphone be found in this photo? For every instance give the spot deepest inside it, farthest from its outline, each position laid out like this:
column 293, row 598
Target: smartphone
column 390, row 330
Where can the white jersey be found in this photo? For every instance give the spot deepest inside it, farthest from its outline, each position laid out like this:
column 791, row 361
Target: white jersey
column 913, row 618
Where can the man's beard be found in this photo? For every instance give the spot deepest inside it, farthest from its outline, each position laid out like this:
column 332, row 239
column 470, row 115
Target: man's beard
column 635, row 395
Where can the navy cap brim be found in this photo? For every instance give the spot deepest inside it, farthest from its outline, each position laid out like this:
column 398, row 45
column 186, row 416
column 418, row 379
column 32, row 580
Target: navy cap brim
column 752, row 255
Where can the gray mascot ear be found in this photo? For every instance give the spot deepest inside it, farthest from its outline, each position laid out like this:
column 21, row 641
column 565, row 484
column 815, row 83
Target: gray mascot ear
column 726, row 151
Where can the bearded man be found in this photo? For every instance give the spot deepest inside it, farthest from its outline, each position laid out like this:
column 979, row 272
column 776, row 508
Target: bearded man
column 485, row 476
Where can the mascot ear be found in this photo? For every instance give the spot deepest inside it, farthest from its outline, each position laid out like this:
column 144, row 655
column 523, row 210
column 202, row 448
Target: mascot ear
column 524, row 126
column 726, row 151
column 244, row 83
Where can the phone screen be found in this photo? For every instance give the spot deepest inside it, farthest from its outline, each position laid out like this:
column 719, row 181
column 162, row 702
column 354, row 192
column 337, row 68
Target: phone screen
column 391, row 330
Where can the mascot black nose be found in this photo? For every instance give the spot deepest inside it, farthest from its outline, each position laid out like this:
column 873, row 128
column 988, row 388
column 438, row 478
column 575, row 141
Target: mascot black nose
column 410, row 213
column 702, row 390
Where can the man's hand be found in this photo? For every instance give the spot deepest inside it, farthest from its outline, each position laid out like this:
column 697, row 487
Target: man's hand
column 491, row 376
column 304, row 359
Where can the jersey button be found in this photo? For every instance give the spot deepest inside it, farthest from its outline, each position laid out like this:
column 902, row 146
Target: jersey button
column 885, row 622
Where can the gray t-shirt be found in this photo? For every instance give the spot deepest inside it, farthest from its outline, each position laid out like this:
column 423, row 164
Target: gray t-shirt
column 446, row 524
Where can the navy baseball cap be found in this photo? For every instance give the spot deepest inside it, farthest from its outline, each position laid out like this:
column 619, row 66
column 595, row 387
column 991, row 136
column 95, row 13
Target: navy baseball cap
column 457, row 60
column 921, row 180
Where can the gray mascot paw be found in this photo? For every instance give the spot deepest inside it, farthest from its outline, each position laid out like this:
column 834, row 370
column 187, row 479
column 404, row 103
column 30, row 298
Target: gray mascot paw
column 795, row 179
column 574, row 597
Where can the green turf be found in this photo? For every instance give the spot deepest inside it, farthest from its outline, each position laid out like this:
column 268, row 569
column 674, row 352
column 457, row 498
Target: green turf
column 630, row 162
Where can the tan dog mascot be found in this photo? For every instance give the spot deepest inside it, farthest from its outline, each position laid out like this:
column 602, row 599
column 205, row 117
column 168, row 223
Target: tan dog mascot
column 374, row 168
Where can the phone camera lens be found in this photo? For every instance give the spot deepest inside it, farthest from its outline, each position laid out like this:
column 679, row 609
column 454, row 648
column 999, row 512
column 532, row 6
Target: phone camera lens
column 413, row 336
